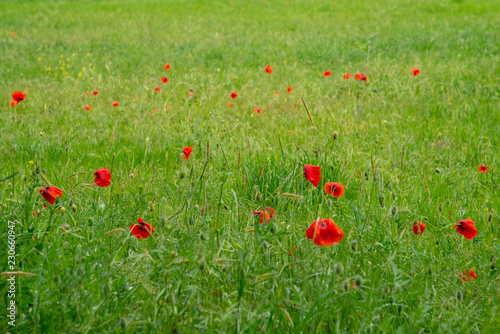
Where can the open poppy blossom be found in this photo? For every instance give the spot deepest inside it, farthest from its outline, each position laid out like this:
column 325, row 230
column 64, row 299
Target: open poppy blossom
column 334, row 188
column 187, row 152
column 115, row 104
column 265, row 215
column 269, row 69
column 158, row 89
column 276, row 93
column 484, row 168
column 230, row 104
column 360, row 76
column 418, row 228
column 95, row 92
column 327, row 73
column 190, row 93
column 289, row 90
column 415, row 71
column 18, row 96
column 347, row 75
column 88, row 108
column 466, row 228
column 167, row 66
column 141, row 230
column 466, row 276
column 164, row 79
column 50, row 193
column 102, row 177
column 13, row 104
column 234, row 95
column 312, row 174
column 324, row 232
column 256, row 110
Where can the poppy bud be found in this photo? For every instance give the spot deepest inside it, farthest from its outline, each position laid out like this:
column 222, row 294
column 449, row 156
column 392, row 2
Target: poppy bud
column 490, row 217
column 258, row 197
column 381, row 199
column 63, row 209
column 493, row 266
column 358, row 280
column 123, row 323
column 226, row 207
column 346, row 286
column 338, row 268
column 265, row 244
column 70, row 203
column 74, row 207
column 335, row 135
column 329, row 202
column 66, row 148
column 24, row 178
column 441, row 207
column 387, row 290
column 394, row 211
column 460, row 296
column 203, row 265
column 203, row 236
column 182, row 174
column 438, row 171
column 163, row 220
column 354, row 245
column 367, row 176
column 404, row 211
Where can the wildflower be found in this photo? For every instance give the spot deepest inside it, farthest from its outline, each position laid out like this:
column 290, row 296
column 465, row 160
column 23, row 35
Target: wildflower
column 102, row 177
column 95, row 92
column 312, row 174
column 347, row 75
column 327, row 73
column 164, row 79
column 187, row 152
column 158, row 89
column 88, row 108
column 418, row 228
column 115, row 104
column 50, row 193
column 141, row 230
column 466, row 228
column 415, row 71
column 265, row 215
column 360, row 76
column 466, row 276
column 269, row 69
column 234, row 95
column 289, row 90
column 276, row 93
column 190, row 93
column 230, row 104
column 324, row 232
column 167, row 66
column 256, row 110
column 484, row 168
column 18, row 96
column 334, row 188
column 13, row 104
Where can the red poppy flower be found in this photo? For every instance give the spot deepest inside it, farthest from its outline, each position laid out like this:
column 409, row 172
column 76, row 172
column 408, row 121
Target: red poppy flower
column 167, row 66
column 187, row 151
column 360, row 76
column 334, row 188
column 115, row 104
column 266, row 215
column 158, row 89
column 271, row 211
column 289, row 90
column 102, row 177
column 13, row 104
column 14, row 34
column 50, row 193
column 312, row 174
column 324, row 232
column 88, row 108
column 190, row 93
column 418, row 228
column 234, row 95
column 230, row 104
column 466, row 228
column 18, row 96
column 269, row 69
column 276, row 93
column 164, row 79
column 468, row 275
column 257, row 110
column 415, row 71
column 141, row 230
column 87, row 93
column 347, row 75
column 327, row 73
column 95, row 92
column 484, row 168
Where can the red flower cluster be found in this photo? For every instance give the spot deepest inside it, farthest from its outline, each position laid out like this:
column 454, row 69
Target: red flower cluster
column 466, row 276
column 17, row 97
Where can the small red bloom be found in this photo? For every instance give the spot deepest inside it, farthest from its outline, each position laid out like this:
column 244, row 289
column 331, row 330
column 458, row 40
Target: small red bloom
column 88, row 108
column 102, row 177
column 334, row 188
column 190, row 93
column 289, row 90
column 13, row 104
column 14, row 34
column 95, row 92
column 269, row 69
column 50, row 193
column 324, row 232
column 167, row 66
column 466, row 228
column 115, row 104
column 276, row 93
column 347, row 75
column 187, row 151
column 234, row 95
column 158, row 89
column 468, row 275
column 312, row 174
column 484, row 168
column 327, row 73
column 418, row 228
column 18, row 96
column 265, row 215
column 87, row 93
column 257, row 110
column 360, row 76
column 230, row 104
column 415, row 71
column 164, row 79
column 141, row 230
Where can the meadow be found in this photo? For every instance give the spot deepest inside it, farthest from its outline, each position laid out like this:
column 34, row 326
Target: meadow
column 405, row 147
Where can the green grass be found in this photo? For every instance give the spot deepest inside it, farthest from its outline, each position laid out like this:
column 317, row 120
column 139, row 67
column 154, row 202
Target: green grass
column 417, row 140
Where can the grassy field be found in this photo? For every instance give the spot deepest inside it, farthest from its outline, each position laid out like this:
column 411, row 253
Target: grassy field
column 414, row 143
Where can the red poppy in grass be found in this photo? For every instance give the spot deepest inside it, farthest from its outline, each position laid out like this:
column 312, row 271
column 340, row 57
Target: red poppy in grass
column 484, row 168
column 88, row 108
column 269, row 69
column 190, row 93
column 186, row 151
column 327, row 73
column 158, row 89
column 102, row 177
column 324, row 232
column 271, row 211
column 230, row 104
column 141, row 230
column 347, row 75
column 265, row 215
column 164, row 79
column 257, row 110
column 312, row 174
column 334, row 188
column 465, row 276
column 37, row 213
column 95, row 92
column 115, row 104
column 360, row 76
column 50, row 193
column 13, row 104
column 418, row 228
column 415, row 71
column 14, row 34
column 234, row 95
column 289, row 90
column 466, row 228
column 18, row 96
column 276, row 93
column 167, row 66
